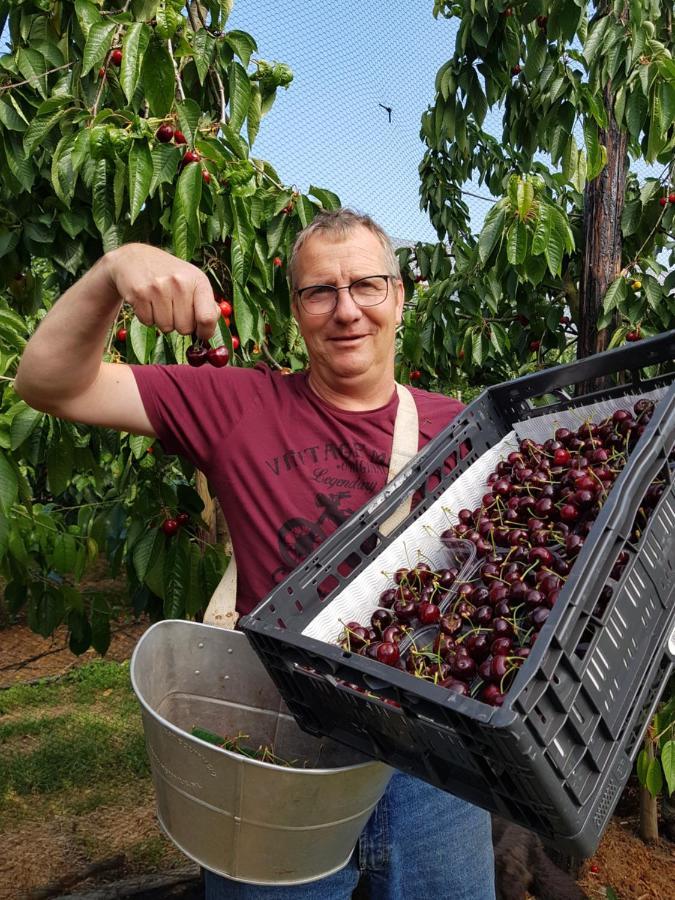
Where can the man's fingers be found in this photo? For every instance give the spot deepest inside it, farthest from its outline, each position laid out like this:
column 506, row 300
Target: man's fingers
column 162, row 315
column 206, row 310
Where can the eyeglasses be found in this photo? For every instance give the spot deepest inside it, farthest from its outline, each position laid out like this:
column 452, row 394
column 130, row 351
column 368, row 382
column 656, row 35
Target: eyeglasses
column 319, row 299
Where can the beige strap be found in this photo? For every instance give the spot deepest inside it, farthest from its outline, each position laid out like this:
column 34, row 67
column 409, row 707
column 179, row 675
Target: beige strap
column 404, row 447
column 221, row 609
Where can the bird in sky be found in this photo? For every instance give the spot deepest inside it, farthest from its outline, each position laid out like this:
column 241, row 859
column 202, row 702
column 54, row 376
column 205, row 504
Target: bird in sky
column 388, row 108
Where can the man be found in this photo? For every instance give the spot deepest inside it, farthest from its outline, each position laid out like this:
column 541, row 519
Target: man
column 276, row 448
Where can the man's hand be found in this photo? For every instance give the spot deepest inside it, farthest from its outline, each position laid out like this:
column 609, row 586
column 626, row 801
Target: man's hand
column 61, row 371
column 164, row 291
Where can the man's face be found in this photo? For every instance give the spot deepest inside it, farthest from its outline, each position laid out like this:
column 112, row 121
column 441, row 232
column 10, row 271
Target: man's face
column 351, row 340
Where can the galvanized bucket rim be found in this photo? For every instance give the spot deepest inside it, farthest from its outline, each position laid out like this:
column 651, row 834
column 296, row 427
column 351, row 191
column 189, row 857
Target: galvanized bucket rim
column 238, row 757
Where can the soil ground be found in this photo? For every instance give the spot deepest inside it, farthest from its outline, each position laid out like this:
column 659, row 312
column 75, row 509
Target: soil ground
column 123, row 829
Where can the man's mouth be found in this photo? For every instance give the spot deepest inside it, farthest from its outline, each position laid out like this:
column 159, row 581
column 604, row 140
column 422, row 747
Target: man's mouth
column 347, row 338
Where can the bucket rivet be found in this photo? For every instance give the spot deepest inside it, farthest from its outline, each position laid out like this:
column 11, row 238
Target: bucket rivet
column 196, row 671
column 201, row 645
column 229, row 649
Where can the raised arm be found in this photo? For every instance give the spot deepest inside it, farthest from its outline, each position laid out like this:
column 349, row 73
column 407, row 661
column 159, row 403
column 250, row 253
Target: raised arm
column 61, row 371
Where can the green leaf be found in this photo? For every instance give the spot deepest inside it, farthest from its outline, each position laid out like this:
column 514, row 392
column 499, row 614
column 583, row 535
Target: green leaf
column 525, row 197
column 184, row 213
column 97, row 45
column 492, row 231
column 240, row 95
column 102, row 196
column 570, row 158
column 189, row 113
column 100, row 625
column 64, row 553
column 138, row 443
column 653, row 291
column 542, row 229
column 159, row 80
column 594, row 39
column 18, row 162
column 246, row 321
column 477, row 347
column 616, row 293
column 176, row 574
column 146, row 551
column 657, row 129
column 165, row 161
column 119, row 184
column 10, row 118
column 59, row 466
column 23, row 424
column 254, row 115
column 242, row 44
column 64, row 175
column 636, row 111
column 134, row 46
column 32, row 66
column 327, row 199
column 579, row 180
column 226, row 7
column 142, row 340
column 45, row 610
column 9, row 485
column 536, row 57
column 654, row 779
column 140, row 177
column 642, row 766
column 668, row 763
column 593, row 149
column 630, row 217
column 516, row 244
column 203, row 49
column 87, row 15
column 79, row 639
column 555, row 247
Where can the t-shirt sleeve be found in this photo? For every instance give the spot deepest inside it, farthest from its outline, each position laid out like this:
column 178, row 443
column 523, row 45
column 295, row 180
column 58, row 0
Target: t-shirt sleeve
column 193, row 409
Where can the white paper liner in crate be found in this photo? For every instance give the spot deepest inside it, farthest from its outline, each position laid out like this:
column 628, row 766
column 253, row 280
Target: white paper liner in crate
column 421, row 541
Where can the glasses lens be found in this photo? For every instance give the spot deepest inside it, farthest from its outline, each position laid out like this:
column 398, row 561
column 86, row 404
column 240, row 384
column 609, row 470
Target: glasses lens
column 319, row 299
column 370, row 291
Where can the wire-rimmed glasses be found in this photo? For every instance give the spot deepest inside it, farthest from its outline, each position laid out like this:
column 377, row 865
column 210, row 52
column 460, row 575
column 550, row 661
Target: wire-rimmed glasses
column 319, row 299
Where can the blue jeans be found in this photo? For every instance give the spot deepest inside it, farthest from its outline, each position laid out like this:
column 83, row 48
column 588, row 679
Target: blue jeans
column 419, row 844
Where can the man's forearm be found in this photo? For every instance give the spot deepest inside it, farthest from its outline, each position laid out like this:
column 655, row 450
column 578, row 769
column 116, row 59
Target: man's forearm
column 63, row 358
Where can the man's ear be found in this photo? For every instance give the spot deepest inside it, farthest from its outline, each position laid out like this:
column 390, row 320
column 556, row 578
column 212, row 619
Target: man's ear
column 294, row 309
column 400, row 297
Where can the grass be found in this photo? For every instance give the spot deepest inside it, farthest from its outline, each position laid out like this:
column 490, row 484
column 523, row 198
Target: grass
column 75, row 783
column 66, row 737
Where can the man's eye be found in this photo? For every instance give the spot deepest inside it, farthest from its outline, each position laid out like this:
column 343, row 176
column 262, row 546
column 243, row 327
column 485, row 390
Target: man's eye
column 317, row 294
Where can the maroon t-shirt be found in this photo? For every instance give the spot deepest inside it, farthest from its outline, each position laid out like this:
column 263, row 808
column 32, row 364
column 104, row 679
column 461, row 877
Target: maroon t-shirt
column 287, row 467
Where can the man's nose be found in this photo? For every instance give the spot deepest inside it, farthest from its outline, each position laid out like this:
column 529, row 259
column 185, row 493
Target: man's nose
column 346, row 307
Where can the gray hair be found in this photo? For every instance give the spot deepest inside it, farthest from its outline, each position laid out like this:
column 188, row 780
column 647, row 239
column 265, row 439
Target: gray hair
column 338, row 224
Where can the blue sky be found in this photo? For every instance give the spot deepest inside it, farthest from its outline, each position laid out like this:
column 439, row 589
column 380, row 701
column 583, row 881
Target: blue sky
column 327, row 129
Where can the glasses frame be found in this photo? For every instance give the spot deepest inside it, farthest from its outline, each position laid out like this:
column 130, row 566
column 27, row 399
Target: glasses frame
column 337, row 288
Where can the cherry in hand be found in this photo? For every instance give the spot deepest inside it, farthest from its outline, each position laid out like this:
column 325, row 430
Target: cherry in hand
column 199, row 353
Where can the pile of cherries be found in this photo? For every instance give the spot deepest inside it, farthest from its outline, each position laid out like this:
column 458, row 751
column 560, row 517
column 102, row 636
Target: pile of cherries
column 471, row 636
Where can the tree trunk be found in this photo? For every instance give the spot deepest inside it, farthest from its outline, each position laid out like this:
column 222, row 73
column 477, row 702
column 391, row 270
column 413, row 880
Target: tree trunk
column 601, row 262
column 649, row 810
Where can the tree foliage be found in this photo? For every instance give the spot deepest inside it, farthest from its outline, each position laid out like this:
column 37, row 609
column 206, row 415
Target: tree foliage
column 572, row 81
column 85, row 91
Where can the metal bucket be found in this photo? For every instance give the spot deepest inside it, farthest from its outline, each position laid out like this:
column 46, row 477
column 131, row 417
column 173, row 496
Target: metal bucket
column 249, row 820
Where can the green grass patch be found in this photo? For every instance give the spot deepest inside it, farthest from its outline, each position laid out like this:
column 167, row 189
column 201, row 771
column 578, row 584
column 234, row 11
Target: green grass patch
column 68, row 735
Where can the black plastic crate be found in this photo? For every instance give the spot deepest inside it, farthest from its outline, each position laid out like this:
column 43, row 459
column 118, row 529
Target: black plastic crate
column 555, row 757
